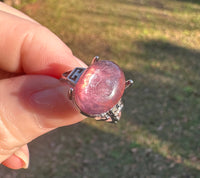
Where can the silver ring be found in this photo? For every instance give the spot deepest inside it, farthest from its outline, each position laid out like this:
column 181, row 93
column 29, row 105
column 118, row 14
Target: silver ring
column 97, row 90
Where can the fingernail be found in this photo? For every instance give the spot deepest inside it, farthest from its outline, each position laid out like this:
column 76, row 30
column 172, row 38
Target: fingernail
column 52, row 107
column 50, row 99
column 22, row 158
column 17, row 161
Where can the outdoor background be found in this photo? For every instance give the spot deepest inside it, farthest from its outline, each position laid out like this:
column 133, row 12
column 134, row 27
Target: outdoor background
column 157, row 44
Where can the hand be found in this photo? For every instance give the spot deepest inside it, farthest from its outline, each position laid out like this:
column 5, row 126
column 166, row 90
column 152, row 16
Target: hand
column 32, row 99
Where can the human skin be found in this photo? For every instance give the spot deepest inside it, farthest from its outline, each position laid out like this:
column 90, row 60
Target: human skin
column 33, row 100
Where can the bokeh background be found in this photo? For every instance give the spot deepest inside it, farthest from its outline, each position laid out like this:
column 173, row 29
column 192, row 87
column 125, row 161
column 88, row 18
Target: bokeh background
column 157, row 44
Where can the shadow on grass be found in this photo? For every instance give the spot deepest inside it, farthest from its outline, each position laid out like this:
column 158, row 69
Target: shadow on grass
column 190, row 1
column 165, row 99
column 180, row 59
column 84, row 151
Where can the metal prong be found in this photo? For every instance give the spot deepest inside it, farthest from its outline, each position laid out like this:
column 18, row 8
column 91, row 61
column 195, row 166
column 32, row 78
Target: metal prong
column 71, row 93
column 95, row 59
column 128, row 83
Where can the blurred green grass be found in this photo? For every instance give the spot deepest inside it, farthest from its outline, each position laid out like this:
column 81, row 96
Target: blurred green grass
column 157, row 45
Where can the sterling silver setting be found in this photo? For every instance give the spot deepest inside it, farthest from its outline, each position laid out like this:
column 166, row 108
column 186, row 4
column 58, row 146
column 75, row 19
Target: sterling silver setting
column 113, row 115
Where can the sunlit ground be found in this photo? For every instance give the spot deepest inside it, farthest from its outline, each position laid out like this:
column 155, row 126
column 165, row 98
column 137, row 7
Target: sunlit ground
column 157, row 43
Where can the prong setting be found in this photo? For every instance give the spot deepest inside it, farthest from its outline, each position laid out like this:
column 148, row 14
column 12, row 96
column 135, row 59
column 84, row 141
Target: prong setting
column 95, row 59
column 128, row 83
column 71, row 93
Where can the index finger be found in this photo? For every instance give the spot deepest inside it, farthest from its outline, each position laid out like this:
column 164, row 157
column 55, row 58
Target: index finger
column 28, row 47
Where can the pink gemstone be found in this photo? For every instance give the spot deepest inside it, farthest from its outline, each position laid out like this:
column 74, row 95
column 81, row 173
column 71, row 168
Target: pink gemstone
column 99, row 88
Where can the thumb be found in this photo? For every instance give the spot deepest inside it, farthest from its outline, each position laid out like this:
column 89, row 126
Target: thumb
column 32, row 105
